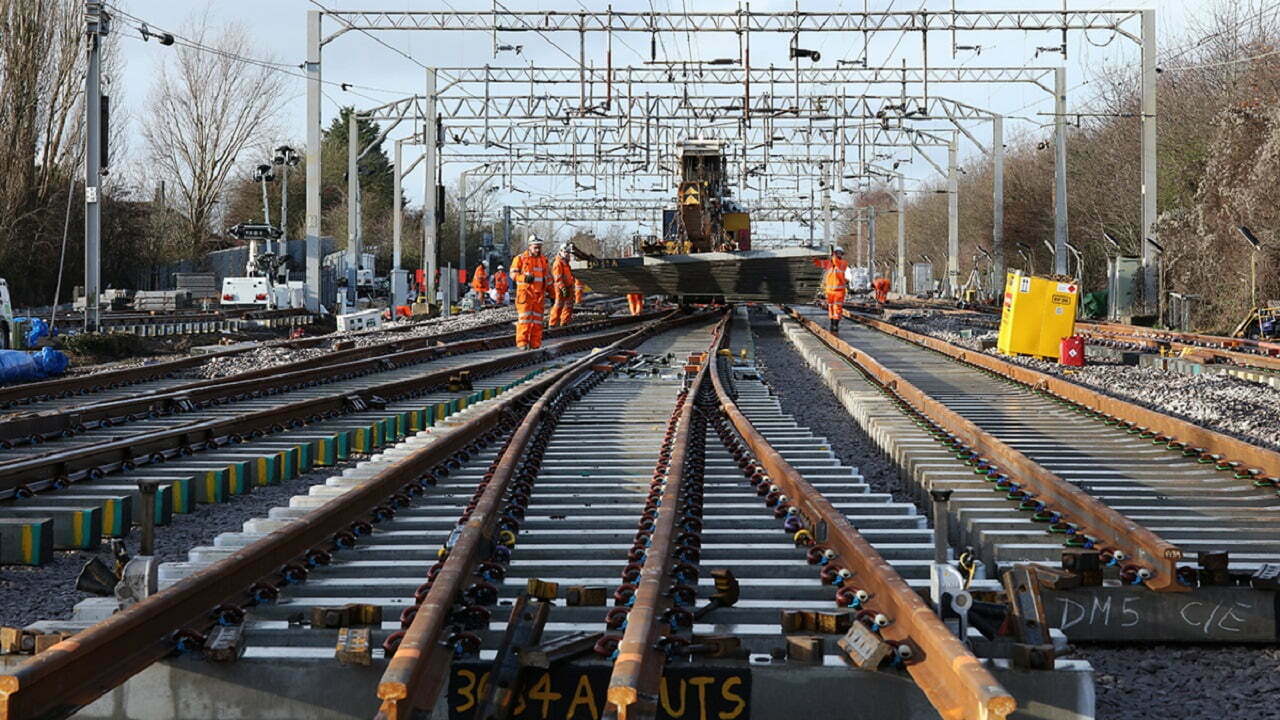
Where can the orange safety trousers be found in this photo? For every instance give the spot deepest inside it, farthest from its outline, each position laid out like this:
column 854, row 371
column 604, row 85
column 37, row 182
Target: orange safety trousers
column 528, row 330
column 561, row 312
column 562, row 297
column 635, row 303
column 835, row 304
column 531, row 300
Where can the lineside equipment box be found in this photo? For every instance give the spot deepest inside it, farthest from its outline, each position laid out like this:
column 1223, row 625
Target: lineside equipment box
column 1038, row 313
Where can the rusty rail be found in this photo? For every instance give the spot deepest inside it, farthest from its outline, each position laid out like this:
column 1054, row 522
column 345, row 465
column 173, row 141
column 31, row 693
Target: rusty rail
column 1172, row 430
column 77, row 671
column 38, row 472
column 1209, row 347
column 1145, row 548
column 637, row 670
column 950, row 676
column 330, row 366
column 416, row 672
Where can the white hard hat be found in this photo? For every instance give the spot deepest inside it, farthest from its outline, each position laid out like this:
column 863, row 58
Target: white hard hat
column 535, row 240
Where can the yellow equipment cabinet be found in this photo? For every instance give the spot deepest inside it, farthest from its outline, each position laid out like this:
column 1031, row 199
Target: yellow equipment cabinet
column 1038, row 313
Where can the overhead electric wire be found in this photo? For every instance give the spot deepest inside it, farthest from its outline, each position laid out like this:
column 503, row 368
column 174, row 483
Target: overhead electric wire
column 283, row 68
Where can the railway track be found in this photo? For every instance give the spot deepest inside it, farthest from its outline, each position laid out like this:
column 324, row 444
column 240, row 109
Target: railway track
column 48, row 417
column 647, row 506
column 208, row 443
column 190, row 322
column 1261, row 355
column 116, row 383
column 1166, row 494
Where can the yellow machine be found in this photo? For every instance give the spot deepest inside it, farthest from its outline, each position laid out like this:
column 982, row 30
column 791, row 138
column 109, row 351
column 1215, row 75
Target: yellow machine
column 1038, row 313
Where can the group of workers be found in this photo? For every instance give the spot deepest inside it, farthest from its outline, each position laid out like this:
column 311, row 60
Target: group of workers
column 536, row 279
column 835, row 283
column 493, row 287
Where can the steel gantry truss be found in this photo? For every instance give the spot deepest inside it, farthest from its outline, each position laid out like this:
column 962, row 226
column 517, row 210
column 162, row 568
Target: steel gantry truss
column 741, row 21
column 617, row 109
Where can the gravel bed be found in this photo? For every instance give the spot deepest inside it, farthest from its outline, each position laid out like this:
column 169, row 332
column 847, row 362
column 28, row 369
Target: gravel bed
column 805, row 395
column 48, row 592
column 1164, row 682
column 1231, row 405
column 272, row 356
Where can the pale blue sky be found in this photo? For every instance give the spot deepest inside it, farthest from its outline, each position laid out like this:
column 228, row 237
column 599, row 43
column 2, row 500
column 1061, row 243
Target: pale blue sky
column 279, row 27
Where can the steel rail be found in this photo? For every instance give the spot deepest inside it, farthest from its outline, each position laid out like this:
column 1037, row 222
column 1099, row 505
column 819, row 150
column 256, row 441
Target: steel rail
column 78, row 670
column 96, row 382
column 417, row 671
column 254, row 383
column 99, row 381
column 1229, row 350
column 637, row 670
column 951, row 677
column 1175, row 432
column 1187, row 338
column 1112, row 529
column 59, row 468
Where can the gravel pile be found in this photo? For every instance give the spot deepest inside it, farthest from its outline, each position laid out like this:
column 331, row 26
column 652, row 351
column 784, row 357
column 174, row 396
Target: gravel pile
column 437, row 326
column 54, row 582
column 1237, row 407
column 952, row 328
column 805, row 395
column 255, row 359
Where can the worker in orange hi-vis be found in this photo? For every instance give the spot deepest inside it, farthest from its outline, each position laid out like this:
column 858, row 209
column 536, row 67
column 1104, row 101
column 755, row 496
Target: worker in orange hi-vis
column 635, row 303
column 881, row 285
column 562, row 287
column 579, row 291
column 531, row 273
column 834, row 285
column 501, row 283
column 480, row 283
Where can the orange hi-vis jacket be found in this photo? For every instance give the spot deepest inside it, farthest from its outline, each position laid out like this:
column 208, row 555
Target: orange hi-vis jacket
column 833, row 280
column 882, row 286
column 501, row 283
column 479, row 282
column 561, row 278
column 562, row 283
column 531, row 275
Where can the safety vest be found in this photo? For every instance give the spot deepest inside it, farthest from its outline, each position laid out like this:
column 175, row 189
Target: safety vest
column 500, row 282
column 535, row 269
column 833, row 280
column 562, row 277
column 478, row 280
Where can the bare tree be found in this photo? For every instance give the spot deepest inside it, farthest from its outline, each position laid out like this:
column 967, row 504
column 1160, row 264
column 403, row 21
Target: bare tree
column 41, row 65
column 206, row 106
